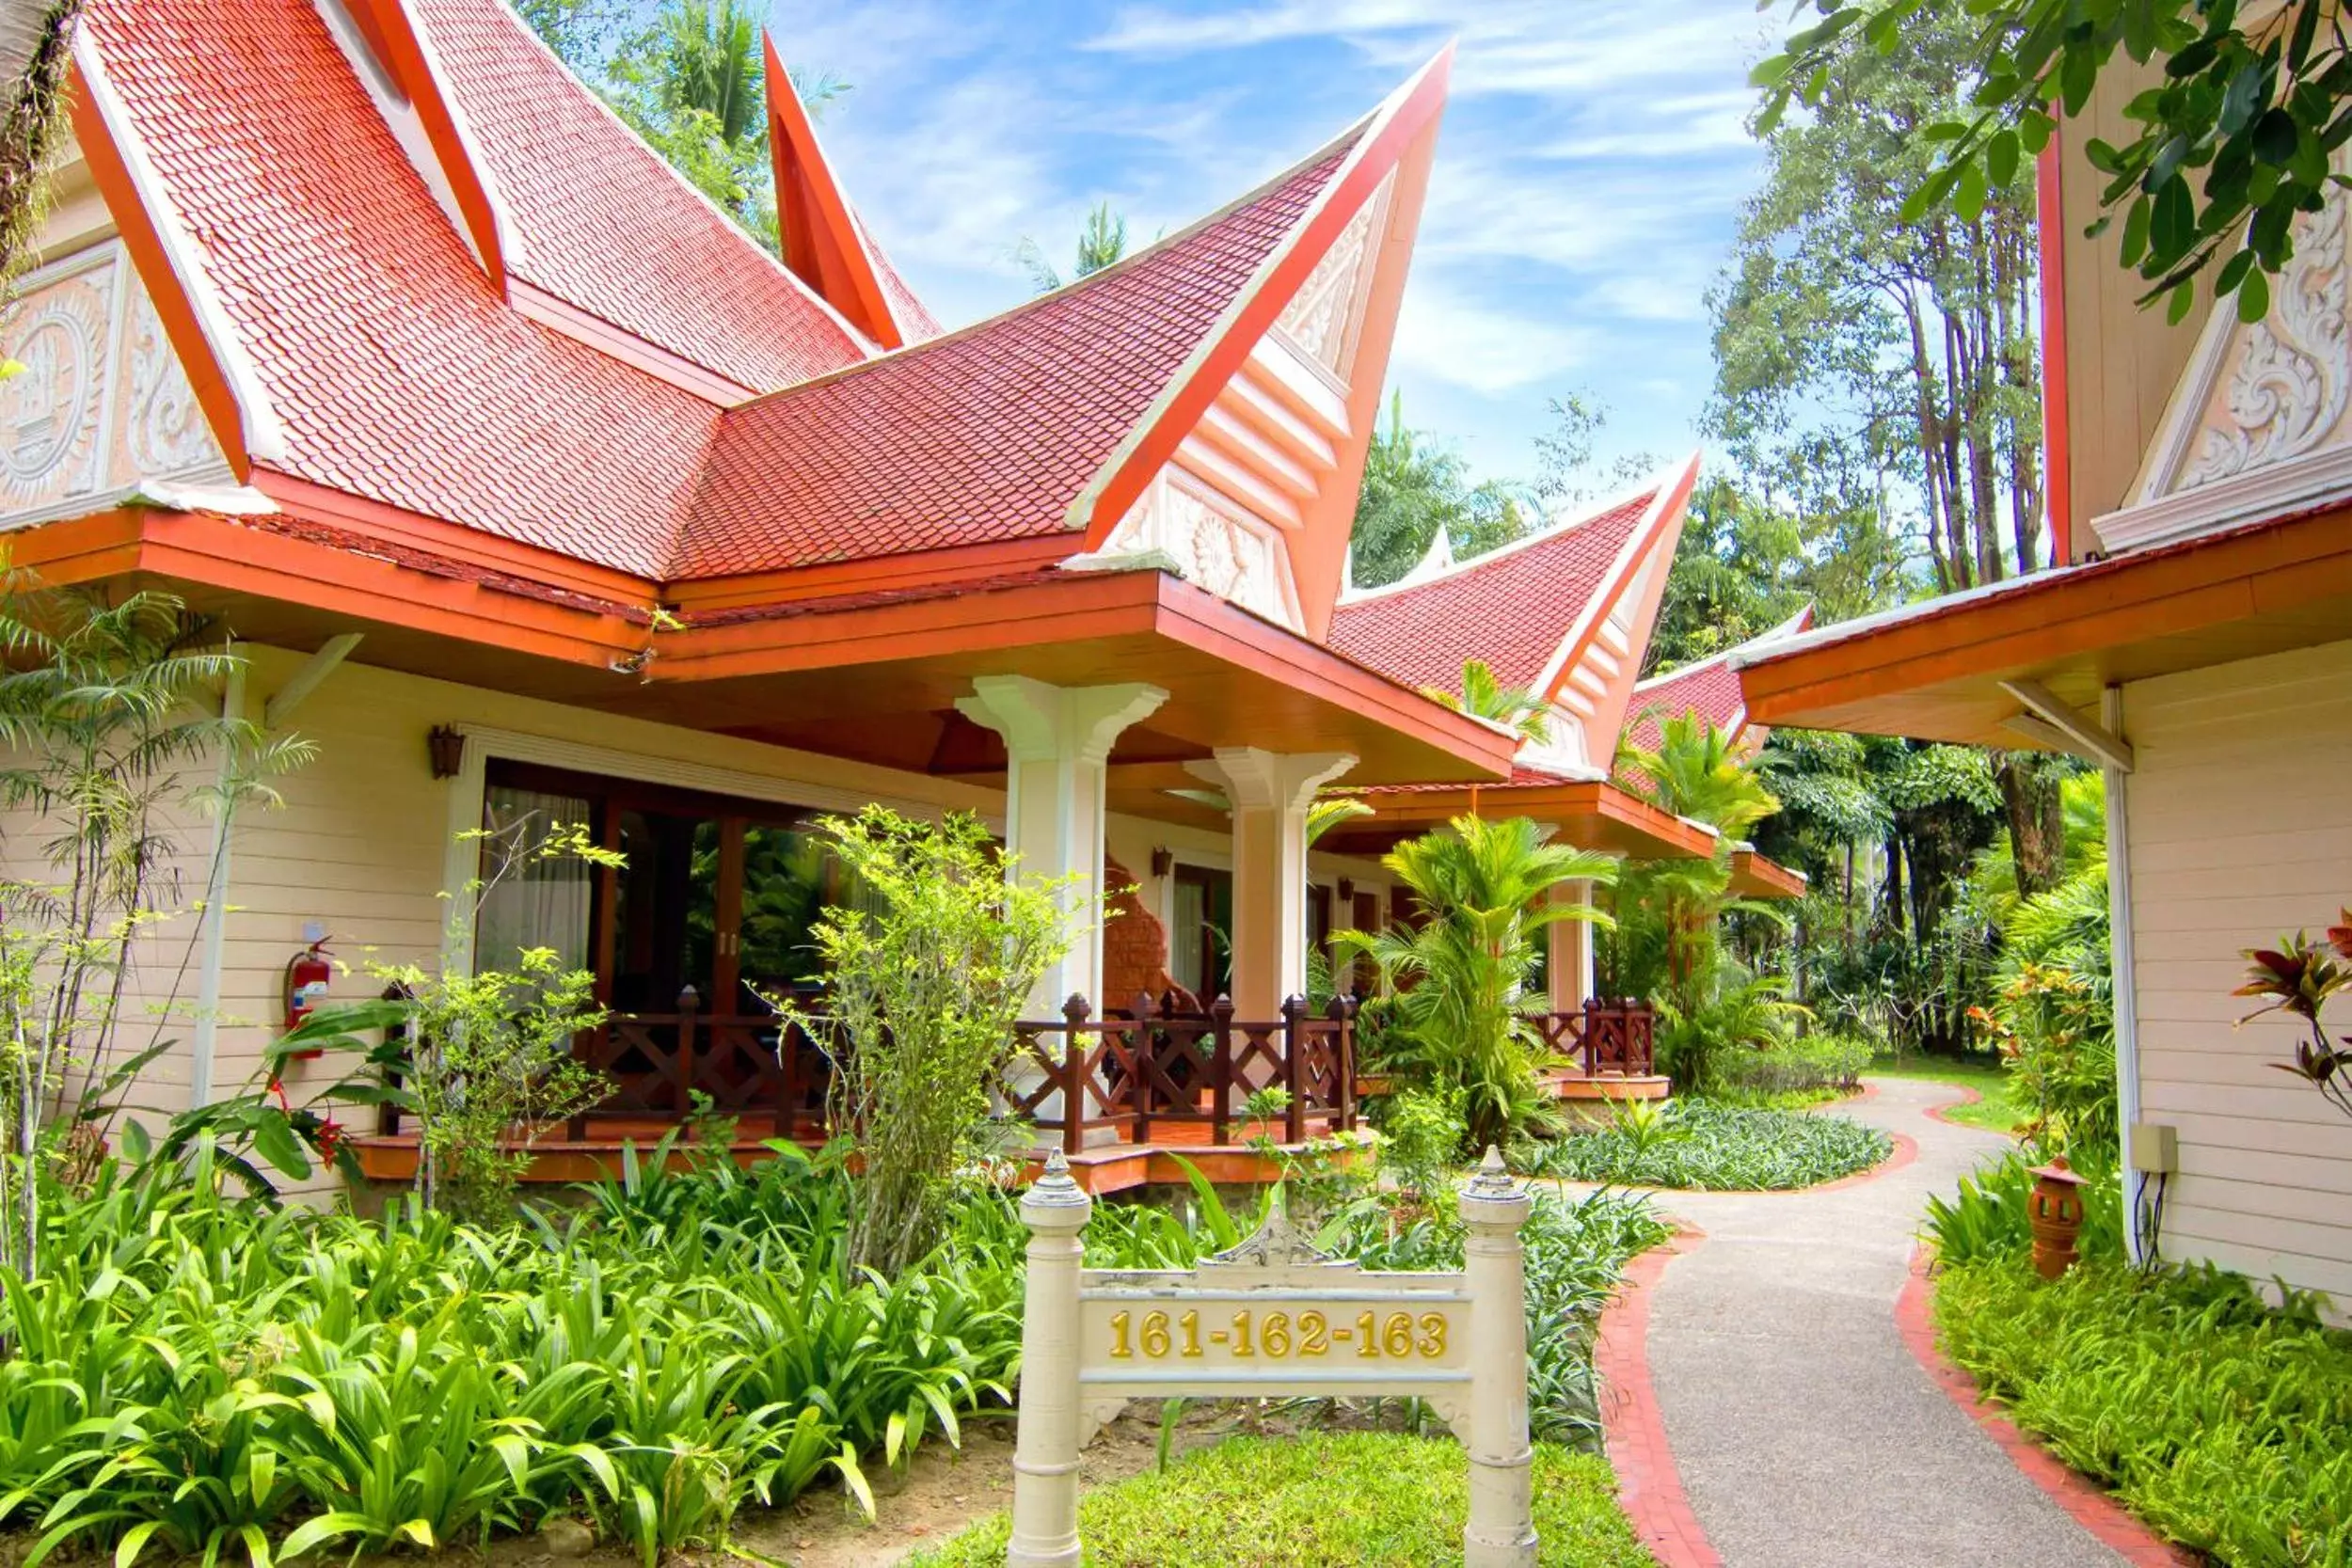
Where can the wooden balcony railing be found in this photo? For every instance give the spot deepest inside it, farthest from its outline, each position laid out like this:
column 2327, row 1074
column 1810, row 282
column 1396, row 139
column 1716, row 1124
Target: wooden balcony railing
column 1123, row 1075
column 1129, row 1075
column 1607, row 1038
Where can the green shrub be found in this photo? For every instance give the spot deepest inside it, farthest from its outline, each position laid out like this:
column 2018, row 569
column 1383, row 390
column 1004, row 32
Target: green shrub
column 1814, row 1065
column 2217, row 1421
column 1696, row 1143
column 1988, row 1216
column 1356, row 1497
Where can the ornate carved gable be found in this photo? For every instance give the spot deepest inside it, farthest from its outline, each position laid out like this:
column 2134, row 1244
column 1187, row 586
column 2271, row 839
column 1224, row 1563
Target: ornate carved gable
column 102, row 408
column 2258, row 422
column 1210, row 542
column 1321, row 319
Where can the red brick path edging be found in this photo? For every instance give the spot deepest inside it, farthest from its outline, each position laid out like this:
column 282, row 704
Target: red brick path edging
column 1968, row 1097
column 2091, row 1508
column 1633, row 1429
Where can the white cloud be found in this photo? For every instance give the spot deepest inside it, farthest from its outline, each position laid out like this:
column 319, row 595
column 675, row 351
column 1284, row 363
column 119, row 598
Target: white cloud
column 1452, row 337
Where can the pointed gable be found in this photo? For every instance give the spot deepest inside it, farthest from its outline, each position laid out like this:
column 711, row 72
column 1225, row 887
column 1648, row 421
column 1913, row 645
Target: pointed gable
column 824, row 245
column 603, row 223
column 397, row 373
column 1513, row 607
column 988, row 433
column 1709, row 688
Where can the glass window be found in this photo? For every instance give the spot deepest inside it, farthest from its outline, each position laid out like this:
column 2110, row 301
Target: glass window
column 531, row 902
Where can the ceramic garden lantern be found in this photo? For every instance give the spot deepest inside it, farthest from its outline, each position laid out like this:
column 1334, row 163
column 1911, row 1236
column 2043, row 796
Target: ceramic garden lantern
column 2056, row 1216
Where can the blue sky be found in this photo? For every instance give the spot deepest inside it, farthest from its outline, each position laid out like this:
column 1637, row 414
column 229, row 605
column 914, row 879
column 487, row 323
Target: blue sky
column 1588, row 177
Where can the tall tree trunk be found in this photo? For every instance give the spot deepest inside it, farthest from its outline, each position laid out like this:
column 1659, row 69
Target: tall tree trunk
column 2037, row 819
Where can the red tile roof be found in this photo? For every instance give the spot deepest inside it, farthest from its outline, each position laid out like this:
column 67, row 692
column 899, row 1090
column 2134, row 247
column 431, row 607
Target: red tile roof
column 398, row 373
column 988, row 433
column 1512, row 608
column 602, row 222
column 1709, row 689
column 915, row 318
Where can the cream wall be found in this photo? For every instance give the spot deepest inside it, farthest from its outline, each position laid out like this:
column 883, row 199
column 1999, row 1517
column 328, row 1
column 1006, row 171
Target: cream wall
column 2239, row 829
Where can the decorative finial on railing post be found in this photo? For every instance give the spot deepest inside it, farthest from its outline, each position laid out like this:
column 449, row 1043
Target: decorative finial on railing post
column 1502, row 1530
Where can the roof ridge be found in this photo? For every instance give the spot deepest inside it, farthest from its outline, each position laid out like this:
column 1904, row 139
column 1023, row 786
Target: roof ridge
column 1789, row 627
column 1119, row 268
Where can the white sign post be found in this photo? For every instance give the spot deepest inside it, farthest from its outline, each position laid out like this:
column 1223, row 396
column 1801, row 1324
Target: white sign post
column 1273, row 1318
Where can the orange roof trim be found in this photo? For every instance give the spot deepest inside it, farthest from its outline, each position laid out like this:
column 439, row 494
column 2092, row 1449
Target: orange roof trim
column 407, row 58
column 822, row 241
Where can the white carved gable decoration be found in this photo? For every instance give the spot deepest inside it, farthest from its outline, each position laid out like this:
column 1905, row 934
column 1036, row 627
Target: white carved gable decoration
column 1208, row 544
column 102, row 407
column 2286, row 393
column 1322, row 318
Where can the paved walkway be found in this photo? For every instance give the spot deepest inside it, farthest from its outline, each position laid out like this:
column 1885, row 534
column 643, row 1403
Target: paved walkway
column 1805, row 1432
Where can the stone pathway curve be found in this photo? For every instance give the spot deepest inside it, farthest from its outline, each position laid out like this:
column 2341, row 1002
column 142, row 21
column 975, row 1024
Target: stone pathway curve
column 1806, row 1434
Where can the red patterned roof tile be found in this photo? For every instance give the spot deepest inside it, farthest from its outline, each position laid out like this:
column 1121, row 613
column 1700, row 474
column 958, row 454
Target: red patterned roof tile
column 1512, row 608
column 987, row 433
column 396, row 371
column 604, row 223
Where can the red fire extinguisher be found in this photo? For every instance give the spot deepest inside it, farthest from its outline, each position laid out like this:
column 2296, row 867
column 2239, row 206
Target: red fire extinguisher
column 308, row 973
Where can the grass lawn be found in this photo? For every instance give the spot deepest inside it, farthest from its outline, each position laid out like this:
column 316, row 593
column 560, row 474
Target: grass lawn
column 1308, row 1502
column 1996, row 1113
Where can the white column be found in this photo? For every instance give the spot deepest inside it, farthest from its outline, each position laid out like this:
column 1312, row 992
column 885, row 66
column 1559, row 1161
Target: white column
column 1570, row 963
column 1270, row 792
column 1045, row 1444
column 1502, row 1529
column 1057, row 740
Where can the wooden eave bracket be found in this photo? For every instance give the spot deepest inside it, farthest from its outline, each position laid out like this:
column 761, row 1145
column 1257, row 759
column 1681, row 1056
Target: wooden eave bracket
column 2051, row 721
column 280, row 707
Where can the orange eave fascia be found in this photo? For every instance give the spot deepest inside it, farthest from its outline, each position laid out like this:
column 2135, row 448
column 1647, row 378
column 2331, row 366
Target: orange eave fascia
column 2070, row 613
column 392, row 31
column 239, row 557
column 1066, row 608
column 1367, row 166
column 1755, row 876
column 870, row 574
column 832, row 248
column 1571, row 799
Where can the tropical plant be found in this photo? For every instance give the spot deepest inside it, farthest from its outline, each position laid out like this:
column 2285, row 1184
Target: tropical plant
column 1102, row 240
column 115, row 733
column 34, row 88
column 1701, row 1143
column 1813, row 1066
column 1415, row 491
column 923, row 985
column 2299, row 977
column 1461, row 977
column 2203, row 1408
column 1484, row 695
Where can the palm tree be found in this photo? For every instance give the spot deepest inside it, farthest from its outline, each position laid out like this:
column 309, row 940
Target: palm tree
column 1517, row 708
column 1102, row 241
column 1461, row 977
column 1696, row 771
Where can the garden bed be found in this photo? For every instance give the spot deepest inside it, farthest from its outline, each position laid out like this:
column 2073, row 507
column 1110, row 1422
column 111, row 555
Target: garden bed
column 2217, row 1420
column 1702, row 1145
column 1357, row 1497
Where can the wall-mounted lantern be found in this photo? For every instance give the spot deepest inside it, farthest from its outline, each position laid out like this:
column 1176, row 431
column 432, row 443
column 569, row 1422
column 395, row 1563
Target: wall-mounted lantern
column 446, row 744
column 2056, row 1217
column 1163, row 862
column 1347, row 890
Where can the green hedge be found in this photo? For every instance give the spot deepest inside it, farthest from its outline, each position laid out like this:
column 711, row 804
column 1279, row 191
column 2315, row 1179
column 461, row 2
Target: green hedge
column 2219, row 1421
column 1817, row 1065
column 1311, row 1502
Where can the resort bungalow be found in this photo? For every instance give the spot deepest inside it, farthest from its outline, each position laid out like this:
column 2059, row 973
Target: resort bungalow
column 529, row 483
column 2195, row 643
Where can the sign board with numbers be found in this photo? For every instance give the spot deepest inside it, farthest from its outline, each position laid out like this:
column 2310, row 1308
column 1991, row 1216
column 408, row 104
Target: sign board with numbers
column 1273, row 1318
